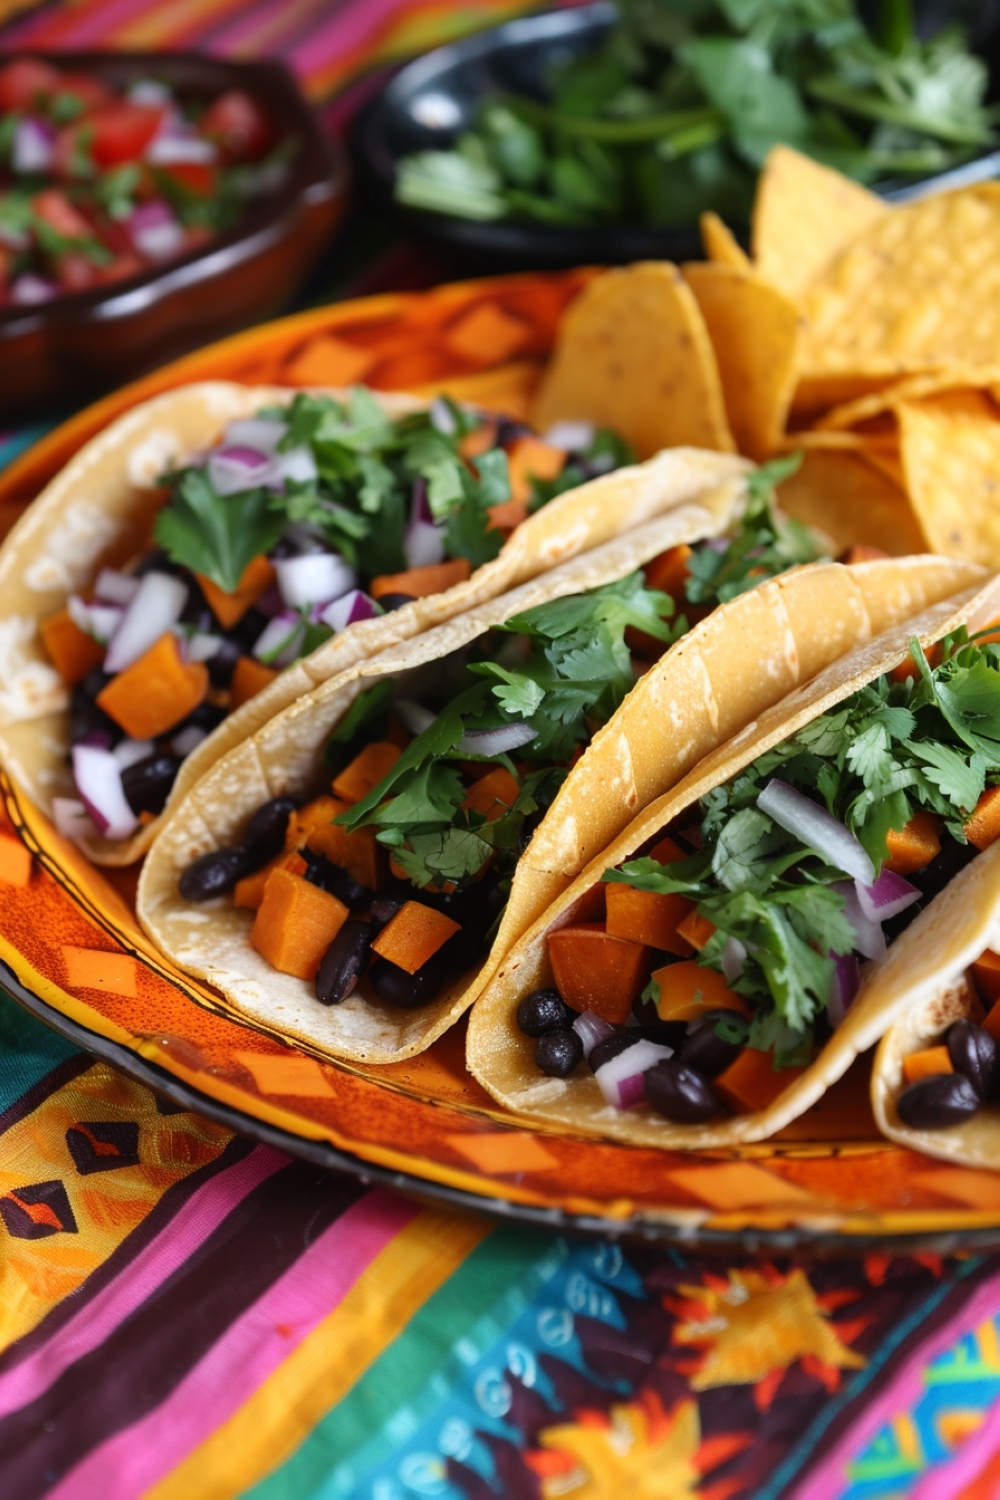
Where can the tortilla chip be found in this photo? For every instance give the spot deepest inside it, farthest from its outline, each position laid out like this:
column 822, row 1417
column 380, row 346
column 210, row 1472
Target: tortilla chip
column 754, row 330
column 721, row 245
column 633, row 354
column 950, row 447
column 507, row 389
column 503, row 1059
column 914, row 388
column 817, row 394
column 803, row 216
column 845, row 496
column 918, row 290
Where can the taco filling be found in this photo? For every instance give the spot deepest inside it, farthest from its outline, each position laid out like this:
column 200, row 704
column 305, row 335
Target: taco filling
column 301, row 522
column 399, row 876
column 730, row 952
column 954, row 1078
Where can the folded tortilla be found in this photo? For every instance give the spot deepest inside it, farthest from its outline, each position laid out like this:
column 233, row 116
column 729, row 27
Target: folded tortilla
column 503, row 1059
column 99, row 512
column 711, row 684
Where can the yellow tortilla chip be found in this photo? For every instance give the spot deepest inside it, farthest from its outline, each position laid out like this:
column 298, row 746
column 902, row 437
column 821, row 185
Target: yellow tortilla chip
column 917, row 291
column 950, row 448
column 803, row 216
column 633, row 354
column 754, row 330
column 841, row 493
column 721, row 245
column 817, row 394
column 915, row 388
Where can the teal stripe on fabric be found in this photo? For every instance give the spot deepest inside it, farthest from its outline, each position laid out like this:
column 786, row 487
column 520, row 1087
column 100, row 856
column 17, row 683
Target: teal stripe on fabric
column 441, row 1340
column 28, row 1050
column 13, row 444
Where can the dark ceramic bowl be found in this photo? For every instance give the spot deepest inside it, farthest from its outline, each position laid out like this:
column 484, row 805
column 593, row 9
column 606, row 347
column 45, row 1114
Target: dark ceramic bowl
column 83, row 343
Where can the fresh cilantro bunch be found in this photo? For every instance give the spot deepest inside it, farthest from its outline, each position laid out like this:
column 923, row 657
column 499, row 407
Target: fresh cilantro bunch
column 890, row 750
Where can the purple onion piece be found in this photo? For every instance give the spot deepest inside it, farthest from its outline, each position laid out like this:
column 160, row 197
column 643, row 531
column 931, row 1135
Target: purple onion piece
column 98, row 780
column 843, row 987
column 870, row 937
column 887, row 896
column 591, row 1029
column 620, row 1079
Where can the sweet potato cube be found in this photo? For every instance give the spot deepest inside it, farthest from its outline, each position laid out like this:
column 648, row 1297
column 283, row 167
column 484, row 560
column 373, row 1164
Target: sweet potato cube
column 15, row 861
column 596, row 971
column 696, row 930
column 984, row 825
column 861, row 552
column 354, row 851
column 258, row 575
column 986, row 977
column 925, row 1063
column 752, row 1082
column 249, row 891
column 668, row 571
column 414, row 935
column 493, row 794
column 295, row 924
column 366, row 770
column 648, row 917
column 420, row 583
column 529, row 458
column 71, row 650
column 666, row 852
column 915, row 845
column 507, row 516
column 156, row 692
column 250, row 678
column 687, row 991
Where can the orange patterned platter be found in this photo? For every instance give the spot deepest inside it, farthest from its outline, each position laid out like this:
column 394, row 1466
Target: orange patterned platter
column 72, row 951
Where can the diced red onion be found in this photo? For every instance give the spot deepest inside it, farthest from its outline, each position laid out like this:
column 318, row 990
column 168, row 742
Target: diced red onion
column 234, row 469
column 72, row 819
column 349, row 609
column 420, row 509
column 187, row 740
column 298, row 464
column 202, row 647
column 423, row 544
column 734, row 957
column 113, row 587
column 28, row 290
column 815, row 827
column 887, row 897
column 100, row 621
column 98, row 779
column 278, row 643
column 620, row 1079
column 870, row 937
column 155, row 230
column 496, row 741
column 98, row 738
column 717, row 544
column 416, row 718
column 34, row 146
column 167, row 149
column 262, row 433
column 313, row 578
column 572, row 437
column 155, row 608
column 270, row 602
column 131, row 752
column 591, row 1029
column 843, row 987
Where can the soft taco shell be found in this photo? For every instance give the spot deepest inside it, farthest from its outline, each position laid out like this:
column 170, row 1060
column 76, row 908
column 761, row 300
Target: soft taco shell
column 502, row 1059
column 99, row 512
column 926, row 994
column 704, row 689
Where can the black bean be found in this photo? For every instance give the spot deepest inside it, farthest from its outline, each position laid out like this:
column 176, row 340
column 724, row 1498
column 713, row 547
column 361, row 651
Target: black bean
column 975, row 1055
column 706, row 1051
column 213, row 874
column 680, row 1093
column 391, row 899
column 612, row 1046
column 394, row 986
column 509, row 429
column 247, row 630
column 222, row 665
column 343, row 962
column 265, row 835
column 557, row 1053
column 87, row 719
column 543, row 1011
column 156, row 561
column 664, row 1033
column 147, row 783
column 347, row 889
column 389, row 602
column 939, row 1101
column 95, row 682
column 206, row 716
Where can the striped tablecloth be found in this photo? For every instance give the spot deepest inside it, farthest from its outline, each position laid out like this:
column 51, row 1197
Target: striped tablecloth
column 186, row 1314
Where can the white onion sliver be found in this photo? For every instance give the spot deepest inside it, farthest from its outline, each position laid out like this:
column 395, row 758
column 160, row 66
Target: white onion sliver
column 278, row 641
column 33, row 147
column 298, row 464
column 131, row 752
column 442, row 416
column 29, row 290
column 496, row 741
column 870, row 937
column 815, row 827
column 572, row 437
column 72, row 819
column 591, row 1029
column 416, row 718
column 887, row 897
column 202, row 646
column 155, row 608
column 423, row 544
column 349, row 609
column 734, row 957
column 262, row 433
column 614, row 1075
column 98, row 779
column 167, row 150
column 187, row 740
column 313, row 578
column 113, row 587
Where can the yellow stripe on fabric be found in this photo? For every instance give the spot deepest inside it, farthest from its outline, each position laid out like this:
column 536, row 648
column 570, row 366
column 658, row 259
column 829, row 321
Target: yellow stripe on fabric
column 160, row 25
column 283, row 1411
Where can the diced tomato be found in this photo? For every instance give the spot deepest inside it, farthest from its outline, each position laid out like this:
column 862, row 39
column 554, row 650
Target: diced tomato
column 196, row 177
column 240, row 127
column 75, row 272
column 122, row 132
column 119, row 268
column 58, row 212
column 71, row 157
column 91, row 92
column 25, row 80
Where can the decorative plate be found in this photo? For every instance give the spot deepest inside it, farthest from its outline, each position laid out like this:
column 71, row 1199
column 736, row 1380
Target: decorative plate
column 828, row 1182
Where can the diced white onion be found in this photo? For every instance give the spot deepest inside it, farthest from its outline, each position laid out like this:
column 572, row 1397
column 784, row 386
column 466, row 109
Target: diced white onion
column 155, row 608
column 870, row 937
column 155, row 231
column 236, row 468
column 572, row 437
column 734, row 957
column 100, row 621
column 298, row 464
column 33, row 147
column 349, row 609
column 262, row 433
column 818, row 829
column 131, row 752
column 113, row 587
column 442, row 416
column 423, row 544
column 29, row 290
column 167, row 150
column 620, row 1078
column 591, row 1029
column 147, row 91
column 98, row 779
column 416, row 718
column 313, row 578
column 72, row 819
column 278, row 642
column 187, row 740
column 202, row 647
column 496, row 741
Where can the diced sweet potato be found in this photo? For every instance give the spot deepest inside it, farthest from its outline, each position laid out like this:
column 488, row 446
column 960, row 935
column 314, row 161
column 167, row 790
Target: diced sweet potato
column 295, row 924
column 366, row 770
column 250, row 678
column 414, row 935
column 530, row 458
column 687, row 991
column 249, row 891
column 986, row 977
column 480, row 440
column 493, row 794
column 420, row 583
column 596, row 971
column 984, row 825
column 915, row 845
column 668, row 571
column 71, row 650
column 508, row 516
column 861, row 552
column 258, row 575
column 648, row 917
column 925, row 1063
column 156, row 692
column 752, row 1082
column 355, row 851
column 15, row 861
column 696, row 930
column 666, row 852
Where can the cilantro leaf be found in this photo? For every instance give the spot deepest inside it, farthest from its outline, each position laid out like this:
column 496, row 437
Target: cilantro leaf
column 218, row 535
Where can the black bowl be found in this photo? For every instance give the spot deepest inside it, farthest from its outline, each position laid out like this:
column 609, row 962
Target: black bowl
column 83, row 343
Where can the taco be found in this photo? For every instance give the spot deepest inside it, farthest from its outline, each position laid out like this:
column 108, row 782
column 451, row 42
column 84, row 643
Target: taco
column 164, row 597
column 720, row 965
column 379, row 845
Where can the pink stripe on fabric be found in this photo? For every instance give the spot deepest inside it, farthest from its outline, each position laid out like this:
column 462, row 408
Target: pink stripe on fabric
column 128, row 1464
column 248, row 25
column 827, row 1480
column 349, row 28
column 947, row 1480
column 95, row 26
column 190, row 1226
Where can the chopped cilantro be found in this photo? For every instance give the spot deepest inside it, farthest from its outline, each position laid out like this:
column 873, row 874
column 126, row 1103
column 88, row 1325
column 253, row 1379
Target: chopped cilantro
column 214, row 534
